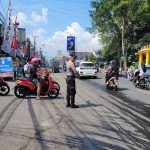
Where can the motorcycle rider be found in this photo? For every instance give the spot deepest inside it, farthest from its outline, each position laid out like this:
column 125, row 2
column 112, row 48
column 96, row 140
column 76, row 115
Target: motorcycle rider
column 70, row 80
column 33, row 75
column 142, row 70
column 133, row 67
column 132, row 70
column 112, row 70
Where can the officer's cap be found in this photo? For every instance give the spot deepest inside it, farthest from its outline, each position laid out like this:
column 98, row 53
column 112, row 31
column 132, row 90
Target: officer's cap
column 73, row 55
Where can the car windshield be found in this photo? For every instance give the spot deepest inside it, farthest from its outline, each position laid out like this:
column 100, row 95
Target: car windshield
column 87, row 65
column 55, row 64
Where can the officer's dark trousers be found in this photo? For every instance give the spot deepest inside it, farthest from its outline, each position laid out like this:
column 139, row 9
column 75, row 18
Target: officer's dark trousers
column 71, row 90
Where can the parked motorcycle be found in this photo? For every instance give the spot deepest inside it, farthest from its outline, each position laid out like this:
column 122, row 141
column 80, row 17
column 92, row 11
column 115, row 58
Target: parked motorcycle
column 25, row 87
column 4, row 88
column 112, row 84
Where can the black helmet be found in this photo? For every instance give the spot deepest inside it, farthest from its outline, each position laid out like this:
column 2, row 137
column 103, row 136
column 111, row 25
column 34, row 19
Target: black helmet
column 28, row 59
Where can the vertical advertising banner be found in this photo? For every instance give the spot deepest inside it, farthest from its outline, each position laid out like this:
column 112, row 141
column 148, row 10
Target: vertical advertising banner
column 8, row 31
column 71, row 43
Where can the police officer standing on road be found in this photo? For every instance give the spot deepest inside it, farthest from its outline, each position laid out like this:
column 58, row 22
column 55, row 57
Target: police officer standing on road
column 70, row 80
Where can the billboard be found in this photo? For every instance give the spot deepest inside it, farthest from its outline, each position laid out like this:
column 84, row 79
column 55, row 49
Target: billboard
column 6, row 67
column 21, row 35
column 71, row 43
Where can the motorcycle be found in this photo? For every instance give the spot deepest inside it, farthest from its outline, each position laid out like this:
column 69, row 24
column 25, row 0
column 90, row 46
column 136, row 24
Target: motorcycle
column 133, row 75
column 144, row 82
column 4, row 88
column 25, row 87
column 112, row 83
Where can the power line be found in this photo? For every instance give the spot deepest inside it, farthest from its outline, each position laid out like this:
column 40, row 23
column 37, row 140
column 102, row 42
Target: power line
column 3, row 7
column 23, row 22
column 70, row 1
column 64, row 11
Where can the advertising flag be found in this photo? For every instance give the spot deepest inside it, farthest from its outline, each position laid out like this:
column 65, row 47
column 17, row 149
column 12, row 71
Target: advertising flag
column 14, row 41
column 8, row 31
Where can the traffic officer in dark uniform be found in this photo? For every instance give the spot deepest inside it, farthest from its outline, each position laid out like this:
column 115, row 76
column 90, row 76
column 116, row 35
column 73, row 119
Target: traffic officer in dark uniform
column 70, row 80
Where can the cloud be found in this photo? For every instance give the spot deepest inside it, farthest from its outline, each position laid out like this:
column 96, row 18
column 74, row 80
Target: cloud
column 21, row 18
column 33, row 19
column 36, row 18
column 39, row 32
column 85, row 41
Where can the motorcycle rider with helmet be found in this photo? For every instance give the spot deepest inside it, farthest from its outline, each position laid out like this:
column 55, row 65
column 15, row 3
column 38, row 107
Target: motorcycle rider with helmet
column 33, row 76
column 112, row 70
column 142, row 71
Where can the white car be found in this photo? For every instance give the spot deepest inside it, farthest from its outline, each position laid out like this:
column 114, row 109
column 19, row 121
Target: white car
column 86, row 69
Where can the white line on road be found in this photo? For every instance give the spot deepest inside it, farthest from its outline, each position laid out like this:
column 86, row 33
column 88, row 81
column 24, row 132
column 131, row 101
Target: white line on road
column 143, row 91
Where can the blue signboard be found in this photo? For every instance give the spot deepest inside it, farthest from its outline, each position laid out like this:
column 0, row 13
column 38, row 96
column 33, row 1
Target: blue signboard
column 71, row 43
column 6, row 64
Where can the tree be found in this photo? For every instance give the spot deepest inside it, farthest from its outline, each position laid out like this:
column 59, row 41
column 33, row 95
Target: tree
column 121, row 24
column 93, row 59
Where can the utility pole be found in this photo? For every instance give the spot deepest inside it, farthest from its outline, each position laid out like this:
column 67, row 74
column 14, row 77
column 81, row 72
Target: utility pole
column 28, row 48
column 34, row 41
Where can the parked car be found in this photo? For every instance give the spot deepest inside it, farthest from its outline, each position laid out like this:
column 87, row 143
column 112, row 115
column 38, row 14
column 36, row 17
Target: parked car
column 86, row 69
column 55, row 67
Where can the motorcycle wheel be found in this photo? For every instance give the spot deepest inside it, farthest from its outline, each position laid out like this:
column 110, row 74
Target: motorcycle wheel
column 56, row 83
column 4, row 89
column 53, row 93
column 116, row 88
column 142, row 84
column 147, row 85
column 20, row 91
column 107, row 86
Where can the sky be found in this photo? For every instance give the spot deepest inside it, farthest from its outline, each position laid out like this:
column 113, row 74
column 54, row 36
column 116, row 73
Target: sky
column 52, row 21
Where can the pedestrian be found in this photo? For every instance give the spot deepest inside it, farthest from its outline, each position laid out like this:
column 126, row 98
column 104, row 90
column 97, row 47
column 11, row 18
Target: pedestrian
column 14, row 70
column 27, row 68
column 70, row 80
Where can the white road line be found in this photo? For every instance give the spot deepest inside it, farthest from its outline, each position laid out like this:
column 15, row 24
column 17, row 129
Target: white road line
column 143, row 91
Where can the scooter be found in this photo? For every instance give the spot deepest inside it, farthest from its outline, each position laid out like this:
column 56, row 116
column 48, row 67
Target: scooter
column 112, row 83
column 4, row 88
column 144, row 82
column 25, row 87
column 132, row 75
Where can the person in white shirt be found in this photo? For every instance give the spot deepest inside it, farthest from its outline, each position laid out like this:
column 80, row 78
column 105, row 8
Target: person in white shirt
column 27, row 68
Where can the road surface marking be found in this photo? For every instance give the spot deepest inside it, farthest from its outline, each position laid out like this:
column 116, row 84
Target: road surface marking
column 143, row 91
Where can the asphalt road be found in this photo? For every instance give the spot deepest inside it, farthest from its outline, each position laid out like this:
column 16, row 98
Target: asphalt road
column 105, row 120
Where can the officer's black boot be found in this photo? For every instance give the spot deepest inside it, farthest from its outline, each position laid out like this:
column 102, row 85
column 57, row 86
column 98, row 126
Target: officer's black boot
column 68, row 105
column 68, row 101
column 73, row 102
